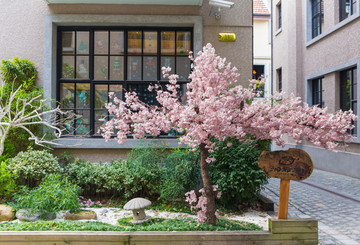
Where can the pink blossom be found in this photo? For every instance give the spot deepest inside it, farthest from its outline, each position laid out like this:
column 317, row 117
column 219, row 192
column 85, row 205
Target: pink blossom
column 218, row 107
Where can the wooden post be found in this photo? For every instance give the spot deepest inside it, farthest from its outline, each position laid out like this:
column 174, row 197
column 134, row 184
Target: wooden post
column 283, row 199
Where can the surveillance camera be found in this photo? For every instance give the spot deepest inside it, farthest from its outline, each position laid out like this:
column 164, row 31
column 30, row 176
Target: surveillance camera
column 221, row 3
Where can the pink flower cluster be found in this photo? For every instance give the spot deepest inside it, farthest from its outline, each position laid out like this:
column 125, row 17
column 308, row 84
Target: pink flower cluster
column 88, row 203
column 217, row 107
column 191, row 198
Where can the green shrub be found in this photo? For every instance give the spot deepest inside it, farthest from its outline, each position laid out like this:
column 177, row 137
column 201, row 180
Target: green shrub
column 32, row 166
column 7, row 182
column 181, row 173
column 139, row 175
column 52, row 195
column 97, row 178
column 236, row 171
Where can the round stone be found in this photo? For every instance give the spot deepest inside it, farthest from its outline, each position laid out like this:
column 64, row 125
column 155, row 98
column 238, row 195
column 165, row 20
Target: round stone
column 6, row 212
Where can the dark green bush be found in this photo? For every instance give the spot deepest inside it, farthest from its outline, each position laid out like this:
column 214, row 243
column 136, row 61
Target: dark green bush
column 52, row 195
column 181, row 173
column 100, row 179
column 30, row 167
column 7, row 182
column 139, row 175
column 236, row 171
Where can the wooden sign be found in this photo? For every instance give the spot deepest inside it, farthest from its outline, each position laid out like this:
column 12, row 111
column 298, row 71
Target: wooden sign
column 227, row 37
column 293, row 164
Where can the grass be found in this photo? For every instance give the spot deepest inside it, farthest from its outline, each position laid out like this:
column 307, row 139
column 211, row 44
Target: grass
column 125, row 225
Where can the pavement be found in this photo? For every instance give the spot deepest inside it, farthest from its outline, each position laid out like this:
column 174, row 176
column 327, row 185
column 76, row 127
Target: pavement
column 332, row 199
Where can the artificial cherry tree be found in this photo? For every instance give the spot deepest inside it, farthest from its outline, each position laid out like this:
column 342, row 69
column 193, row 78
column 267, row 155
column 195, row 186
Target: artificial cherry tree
column 217, row 107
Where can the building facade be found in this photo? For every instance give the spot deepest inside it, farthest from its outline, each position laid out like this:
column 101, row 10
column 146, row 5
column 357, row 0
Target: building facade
column 84, row 49
column 262, row 43
column 316, row 55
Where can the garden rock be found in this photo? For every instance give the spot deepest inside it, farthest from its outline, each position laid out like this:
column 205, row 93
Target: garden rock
column 48, row 216
column 27, row 215
column 104, row 211
column 6, row 213
column 82, row 215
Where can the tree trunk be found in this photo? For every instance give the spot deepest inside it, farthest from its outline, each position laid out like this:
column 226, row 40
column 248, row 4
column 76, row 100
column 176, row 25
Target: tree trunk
column 209, row 193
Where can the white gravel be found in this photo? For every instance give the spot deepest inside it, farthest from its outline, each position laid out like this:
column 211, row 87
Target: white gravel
column 111, row 215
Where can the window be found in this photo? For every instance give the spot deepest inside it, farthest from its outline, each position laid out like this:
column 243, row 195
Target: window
column 348, row 92
column 278, row 7
column 317, row 17
column 279, row 76
column 346, row 8
column 94, row 61
column 316, row 97
column 258, row 74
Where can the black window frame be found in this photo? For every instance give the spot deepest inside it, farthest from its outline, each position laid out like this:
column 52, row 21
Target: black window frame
column 342, row 9
column 279, row 78
column 317, row 91
column 316, row 17
column 348, row 91
column 279, row 17
column 126, row 83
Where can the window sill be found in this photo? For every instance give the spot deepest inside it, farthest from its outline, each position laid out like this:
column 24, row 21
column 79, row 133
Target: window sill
column 332, row 29
column 278, row 31
column 93, row 143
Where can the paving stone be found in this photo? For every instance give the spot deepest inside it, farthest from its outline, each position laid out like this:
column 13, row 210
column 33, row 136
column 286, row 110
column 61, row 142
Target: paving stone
column 339, row 214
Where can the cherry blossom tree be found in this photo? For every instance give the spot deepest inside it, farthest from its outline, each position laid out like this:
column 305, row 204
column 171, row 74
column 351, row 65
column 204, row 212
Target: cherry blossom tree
column 217, row 107
column 19, row 112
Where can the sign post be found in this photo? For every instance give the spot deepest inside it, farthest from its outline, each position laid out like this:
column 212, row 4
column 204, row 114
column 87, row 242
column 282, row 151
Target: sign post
column 293, row 164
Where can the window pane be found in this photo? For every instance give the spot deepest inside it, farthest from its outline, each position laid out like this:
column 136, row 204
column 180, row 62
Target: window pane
column 183, row 43
column 68, row 42
column 182, row 93
column 82, row 122
column 101, row 96
column 183, row 67
column 150, row 43
column 117, row 68
column 68, row 125
column 82, row 42
column 134, row 68
column 167, row 62
column 150, row 68
column 82, row 95
column 82, row 67
column 117, row 90
column 99, row 114
column 117, row 42
column 67, row 92
column 101, row 67
column 134, row 42
column 68, row 67
column 142, row 90
column 101, row 42
column 168, row 43
column 354, row 80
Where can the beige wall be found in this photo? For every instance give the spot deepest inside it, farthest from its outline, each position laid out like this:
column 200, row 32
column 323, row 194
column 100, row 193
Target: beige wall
column 262, row 44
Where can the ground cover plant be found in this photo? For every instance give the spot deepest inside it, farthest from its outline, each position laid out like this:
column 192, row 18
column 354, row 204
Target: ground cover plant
column 124, row 225
column 217, row 108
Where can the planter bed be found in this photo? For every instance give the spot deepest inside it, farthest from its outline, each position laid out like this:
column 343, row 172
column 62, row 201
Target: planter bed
column 291, row 231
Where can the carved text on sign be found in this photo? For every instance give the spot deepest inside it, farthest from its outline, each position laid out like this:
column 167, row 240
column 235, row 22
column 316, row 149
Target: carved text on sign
column 293, row 164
